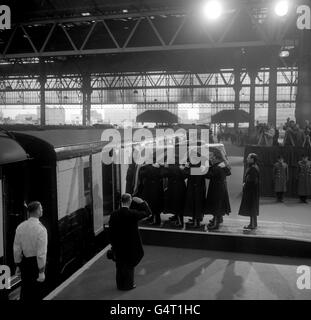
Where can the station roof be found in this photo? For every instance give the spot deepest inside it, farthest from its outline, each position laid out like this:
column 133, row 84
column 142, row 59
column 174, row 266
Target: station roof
column 108, row 51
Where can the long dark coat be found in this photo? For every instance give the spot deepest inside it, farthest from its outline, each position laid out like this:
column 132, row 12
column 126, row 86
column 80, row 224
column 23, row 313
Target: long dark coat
column 250, row 199
column 217, row 201
column 304, row 178
column 152, row 187
column 130, row 178
column 176, row 189
column 124, row 235
column 280, row 177
column 195, row 195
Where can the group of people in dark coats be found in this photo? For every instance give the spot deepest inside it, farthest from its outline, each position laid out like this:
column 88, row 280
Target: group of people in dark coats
column 172, row 188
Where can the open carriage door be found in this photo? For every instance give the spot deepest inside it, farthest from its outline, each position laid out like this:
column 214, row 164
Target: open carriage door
column 12, row 192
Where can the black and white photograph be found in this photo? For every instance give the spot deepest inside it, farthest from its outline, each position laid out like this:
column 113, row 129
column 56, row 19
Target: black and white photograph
column 155, row 154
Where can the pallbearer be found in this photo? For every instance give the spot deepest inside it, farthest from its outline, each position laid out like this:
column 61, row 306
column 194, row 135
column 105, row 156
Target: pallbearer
column 280, row 178
column 176, row 191
column 195, row 193
column 304, row 179
column 152, row 189
column 217, row 202
column 250, row 199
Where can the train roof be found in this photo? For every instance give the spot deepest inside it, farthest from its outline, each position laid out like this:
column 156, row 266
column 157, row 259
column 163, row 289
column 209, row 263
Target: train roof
column 11, row 151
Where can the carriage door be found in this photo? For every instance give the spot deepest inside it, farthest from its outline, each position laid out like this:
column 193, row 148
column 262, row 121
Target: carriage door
column 13, row 195
column 111, row 187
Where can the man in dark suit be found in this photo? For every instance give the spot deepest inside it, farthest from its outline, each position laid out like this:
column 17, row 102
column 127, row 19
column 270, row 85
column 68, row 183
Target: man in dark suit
column 125, row 239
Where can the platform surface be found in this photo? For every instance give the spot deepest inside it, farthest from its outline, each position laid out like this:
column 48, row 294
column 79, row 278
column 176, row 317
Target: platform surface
column 169, row 273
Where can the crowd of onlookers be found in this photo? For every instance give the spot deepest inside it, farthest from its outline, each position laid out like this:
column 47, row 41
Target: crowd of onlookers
column 297, row 136
column 290, row 134
column 294, row 135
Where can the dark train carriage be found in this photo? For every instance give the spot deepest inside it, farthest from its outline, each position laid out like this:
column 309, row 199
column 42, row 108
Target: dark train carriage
column 65, row 173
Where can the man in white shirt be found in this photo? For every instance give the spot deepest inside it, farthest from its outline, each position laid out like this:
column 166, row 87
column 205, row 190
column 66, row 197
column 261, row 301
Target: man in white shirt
column 30, row 250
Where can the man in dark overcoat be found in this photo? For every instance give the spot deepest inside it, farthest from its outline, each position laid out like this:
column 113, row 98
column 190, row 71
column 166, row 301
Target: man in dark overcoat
column 250, row 199
column 125, row 240
column 280, row 178
column 304, row 179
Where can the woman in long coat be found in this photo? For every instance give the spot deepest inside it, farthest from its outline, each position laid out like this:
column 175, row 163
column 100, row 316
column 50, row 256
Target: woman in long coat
column 152, row 189
column 304, row 179
column 176, row 191
column 250, row 199
column 217, row 201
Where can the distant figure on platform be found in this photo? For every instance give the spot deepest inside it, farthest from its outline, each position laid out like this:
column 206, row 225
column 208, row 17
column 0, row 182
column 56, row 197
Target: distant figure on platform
column 307, row 134
column 299, row 136
column 304, row 179
column 176, row 192
column 125, row 240
column 280, row 178
column 276, row 138
column 289, row 138
column 30, row 251
column 217, row 202
column 250, row 199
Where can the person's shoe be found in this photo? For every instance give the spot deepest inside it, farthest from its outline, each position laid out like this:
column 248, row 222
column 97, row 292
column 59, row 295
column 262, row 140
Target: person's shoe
column 128, row 288
column 250, row 227
column 220, row 220
column 214, row 226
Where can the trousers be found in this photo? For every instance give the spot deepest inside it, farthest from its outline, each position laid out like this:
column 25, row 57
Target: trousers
column 31, row 289
column 124, row 276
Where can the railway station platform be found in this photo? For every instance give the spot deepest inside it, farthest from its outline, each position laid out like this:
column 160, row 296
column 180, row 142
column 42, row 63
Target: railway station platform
column 188, row 274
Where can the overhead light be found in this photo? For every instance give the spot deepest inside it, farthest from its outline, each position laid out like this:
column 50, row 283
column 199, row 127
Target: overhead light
column 85, row 14
column 284, row 54
column 212, row 9
column 281, row 8
column 125, row 11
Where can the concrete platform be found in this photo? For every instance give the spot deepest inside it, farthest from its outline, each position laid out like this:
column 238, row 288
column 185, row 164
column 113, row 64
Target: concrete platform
column 170, row 273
